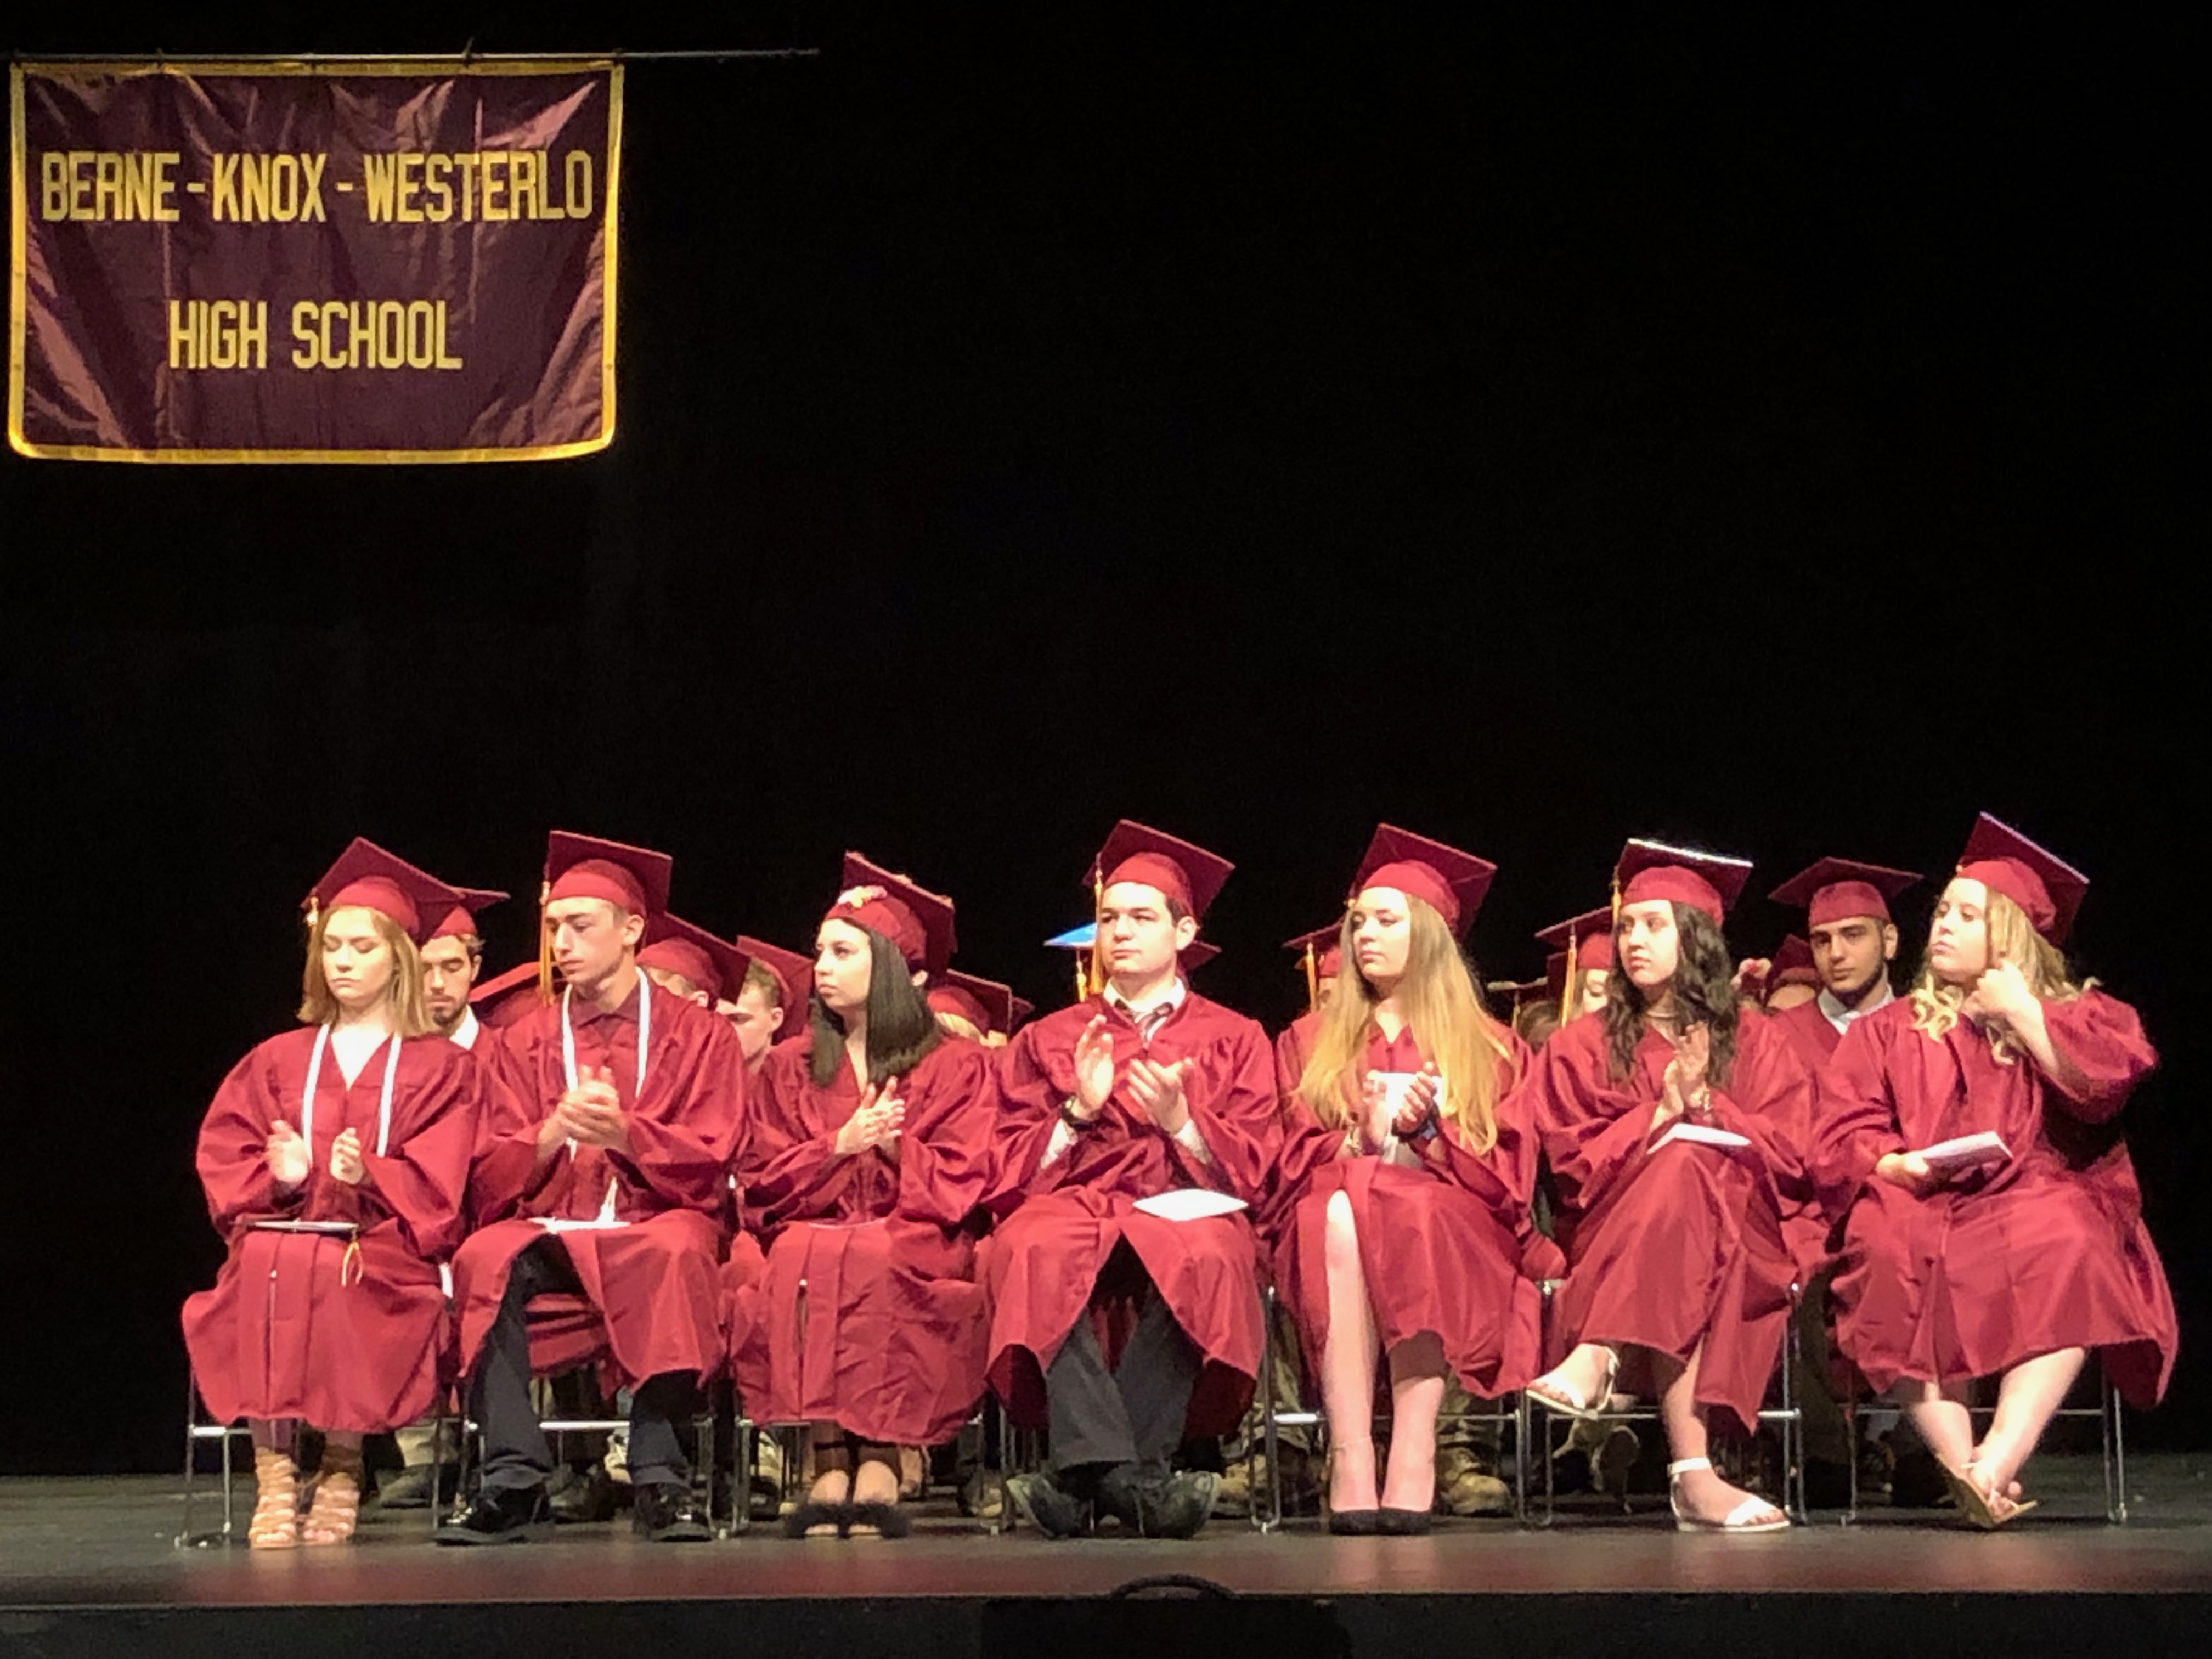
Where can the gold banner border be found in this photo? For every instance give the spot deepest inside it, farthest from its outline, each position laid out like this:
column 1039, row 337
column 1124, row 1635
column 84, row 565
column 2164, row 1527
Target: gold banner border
column 18, row 258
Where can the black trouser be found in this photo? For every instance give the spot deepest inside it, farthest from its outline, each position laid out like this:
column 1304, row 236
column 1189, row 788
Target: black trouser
column 1131, row 1413
column 515, row 1451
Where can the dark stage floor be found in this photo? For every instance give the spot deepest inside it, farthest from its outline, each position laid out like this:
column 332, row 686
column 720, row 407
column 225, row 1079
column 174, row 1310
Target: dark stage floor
column 88, row 1566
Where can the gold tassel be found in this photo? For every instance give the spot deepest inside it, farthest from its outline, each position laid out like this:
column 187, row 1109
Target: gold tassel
column 545, row 945
column 1567, row 997
column 350, row 1271
column 1098, row 945
column 1313, row 980
column 313, row 908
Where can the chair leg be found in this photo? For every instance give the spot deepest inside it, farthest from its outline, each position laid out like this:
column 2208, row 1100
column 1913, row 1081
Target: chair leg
column 1522, row 1415
column 1852, row 1445
column 2115, row 1459
column 745, row 1434
column 1272, row 1448
column 1792, row 1428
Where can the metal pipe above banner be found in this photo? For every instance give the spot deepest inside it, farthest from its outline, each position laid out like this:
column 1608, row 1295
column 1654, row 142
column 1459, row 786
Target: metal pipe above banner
column 316, row 259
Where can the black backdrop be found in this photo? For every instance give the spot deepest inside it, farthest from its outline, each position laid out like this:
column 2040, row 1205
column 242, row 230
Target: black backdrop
column 1759, row 431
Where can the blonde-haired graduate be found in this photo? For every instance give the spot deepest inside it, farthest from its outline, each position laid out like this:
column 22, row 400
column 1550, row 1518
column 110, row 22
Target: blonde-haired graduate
column 1968, row 1135
column 1401, row 1203
column 335, row 1158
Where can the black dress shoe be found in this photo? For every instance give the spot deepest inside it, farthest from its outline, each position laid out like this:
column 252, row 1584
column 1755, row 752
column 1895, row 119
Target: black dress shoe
column 513, row 1516
column 1048, row 1506
column 587, row 1497
column 1402, row 1523
column 1355, row 1524
column 666, row 1513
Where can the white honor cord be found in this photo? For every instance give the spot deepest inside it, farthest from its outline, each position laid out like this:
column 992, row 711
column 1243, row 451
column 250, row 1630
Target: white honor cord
column 314, row 1075
column 568, row 1065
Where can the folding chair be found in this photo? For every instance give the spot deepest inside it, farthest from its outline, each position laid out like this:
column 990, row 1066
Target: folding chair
column 566, row 1334
column 1786, row 1415
column 2106, row 1411
column 1514, row 1416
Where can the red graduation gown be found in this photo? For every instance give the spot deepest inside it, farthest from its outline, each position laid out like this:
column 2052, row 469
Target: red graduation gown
column 1810, row 1033
column 1294, row 1047
column 291, row 1329
column 2044, row 1252
column 653, row 1279
column 1669, row 1248
column 868, row 1315
column 1442, row 1245
column 1040, row 1267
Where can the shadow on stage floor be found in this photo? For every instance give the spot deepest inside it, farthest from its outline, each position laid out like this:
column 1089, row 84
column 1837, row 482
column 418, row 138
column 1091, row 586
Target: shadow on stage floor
column 87, row 1566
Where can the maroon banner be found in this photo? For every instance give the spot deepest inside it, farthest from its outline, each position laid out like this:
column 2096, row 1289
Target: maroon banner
column 322, row 261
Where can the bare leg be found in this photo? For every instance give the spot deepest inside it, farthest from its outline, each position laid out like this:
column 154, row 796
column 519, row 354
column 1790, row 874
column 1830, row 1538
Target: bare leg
column 875, row 1480
column 1347, row 1366
column 276, row 1523
column 2030, row 1393
column 336, row 1509
column 833, row 1484
column 1701, row 1493
column 1416, row 1392
column 1938, row 1411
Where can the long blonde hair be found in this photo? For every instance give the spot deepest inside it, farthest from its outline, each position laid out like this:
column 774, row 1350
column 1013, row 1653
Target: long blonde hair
column 411, row 1016
column 1445, row 1014
column 1936, row 1005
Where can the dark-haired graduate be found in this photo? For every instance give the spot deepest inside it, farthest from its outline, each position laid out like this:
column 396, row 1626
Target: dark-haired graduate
column 1123, row 1328
column 1675, row 1125
column 335, row 1159
column 603, row 1171
column 869, row 1145
column 1850, row 941
column 2016, row 1255
column 1406, row 1181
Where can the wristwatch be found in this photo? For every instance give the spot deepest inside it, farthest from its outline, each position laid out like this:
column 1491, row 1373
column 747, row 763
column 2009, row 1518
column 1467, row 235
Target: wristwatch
column 1069, row 1116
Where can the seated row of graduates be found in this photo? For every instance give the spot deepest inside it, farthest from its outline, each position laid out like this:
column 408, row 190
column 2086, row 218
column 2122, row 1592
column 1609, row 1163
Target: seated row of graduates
column 870, row 1220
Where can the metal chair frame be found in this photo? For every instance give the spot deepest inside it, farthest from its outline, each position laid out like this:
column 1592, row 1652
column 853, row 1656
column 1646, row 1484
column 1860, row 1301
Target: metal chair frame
column 2112, row 1434
column 1273, row 1419
column 1788, row 1416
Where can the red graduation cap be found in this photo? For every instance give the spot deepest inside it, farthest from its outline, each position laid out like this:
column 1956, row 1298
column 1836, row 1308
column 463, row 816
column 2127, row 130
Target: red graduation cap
column 1017, row 1014
column 677, row 946
column 1195, row 955
column 1450, row 882
column 460, row 922
column 1792, row 963
column 499, row 1001
column 1590, row 933
column 635, row 878
column 1187, row 874
column 793, row 973
column 918, row 921
column 985, row 1004
column 1836, row 889
column 2047, row 888
column 365, row 874
column 1710, row 882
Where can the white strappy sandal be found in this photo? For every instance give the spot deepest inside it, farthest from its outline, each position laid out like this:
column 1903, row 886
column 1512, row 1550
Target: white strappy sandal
column 1566, row 1400
column 1738, row 1519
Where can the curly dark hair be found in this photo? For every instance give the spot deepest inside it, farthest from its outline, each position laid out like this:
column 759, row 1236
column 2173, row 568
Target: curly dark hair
column 901, row 1028
column 1704, row 991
